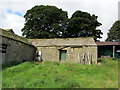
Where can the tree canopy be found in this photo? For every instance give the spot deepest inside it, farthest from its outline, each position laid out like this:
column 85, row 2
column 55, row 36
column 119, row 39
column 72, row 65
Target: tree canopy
column 44, row 22
column 82, row 24
column 52, row 22
column 114, row 32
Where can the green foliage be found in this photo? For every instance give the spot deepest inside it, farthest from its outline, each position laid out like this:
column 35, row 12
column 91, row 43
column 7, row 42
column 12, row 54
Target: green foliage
column 82, row 24
column 61, row 75
column 114, row 32
column 44, row 22
column 51, row 22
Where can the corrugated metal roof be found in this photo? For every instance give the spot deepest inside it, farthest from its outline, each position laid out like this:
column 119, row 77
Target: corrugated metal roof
column 107, row 43
column 63, row 42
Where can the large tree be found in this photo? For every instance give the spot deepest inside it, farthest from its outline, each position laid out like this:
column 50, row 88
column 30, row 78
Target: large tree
column 114, row 32
column 44, row 22
column 82, row 24
column 51, row 22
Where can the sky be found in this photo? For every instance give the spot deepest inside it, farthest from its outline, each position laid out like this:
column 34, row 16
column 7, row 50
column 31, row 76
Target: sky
column 12, row 11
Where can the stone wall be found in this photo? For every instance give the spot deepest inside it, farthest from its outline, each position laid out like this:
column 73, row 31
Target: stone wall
column 17, row 51
column 77, row 50
column 73, row 54
column 49, row 53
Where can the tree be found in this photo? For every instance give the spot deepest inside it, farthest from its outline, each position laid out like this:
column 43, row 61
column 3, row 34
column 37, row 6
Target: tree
column 44, row 22
column 51, row 22
column 114, row 32
column 82, row 24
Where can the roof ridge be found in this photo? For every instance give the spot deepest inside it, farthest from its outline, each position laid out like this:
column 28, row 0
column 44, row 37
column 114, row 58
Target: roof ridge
column 13, row 36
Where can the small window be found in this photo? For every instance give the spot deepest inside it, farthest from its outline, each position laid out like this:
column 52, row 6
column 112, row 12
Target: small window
column 3, row 48
column 62, row 55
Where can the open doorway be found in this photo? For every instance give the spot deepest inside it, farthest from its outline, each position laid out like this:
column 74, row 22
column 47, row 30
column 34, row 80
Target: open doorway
column 62, row 55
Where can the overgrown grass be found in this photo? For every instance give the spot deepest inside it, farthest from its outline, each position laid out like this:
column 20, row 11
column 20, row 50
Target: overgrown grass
column 61, row 75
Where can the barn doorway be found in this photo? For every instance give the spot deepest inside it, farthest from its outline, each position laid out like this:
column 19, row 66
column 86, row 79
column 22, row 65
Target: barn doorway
column 62, row 55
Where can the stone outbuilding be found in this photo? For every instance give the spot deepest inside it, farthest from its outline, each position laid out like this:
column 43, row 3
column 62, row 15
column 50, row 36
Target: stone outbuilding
column 14, row 48
column 77, row 50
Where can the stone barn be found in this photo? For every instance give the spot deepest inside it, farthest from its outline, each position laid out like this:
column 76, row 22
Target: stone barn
column 14, row 48
column 77, row 50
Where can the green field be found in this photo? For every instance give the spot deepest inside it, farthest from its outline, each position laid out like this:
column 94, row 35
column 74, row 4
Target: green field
column 61, row 75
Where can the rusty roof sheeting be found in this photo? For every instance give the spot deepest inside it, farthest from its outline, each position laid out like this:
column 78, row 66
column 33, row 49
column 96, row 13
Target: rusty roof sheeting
column 107, row 43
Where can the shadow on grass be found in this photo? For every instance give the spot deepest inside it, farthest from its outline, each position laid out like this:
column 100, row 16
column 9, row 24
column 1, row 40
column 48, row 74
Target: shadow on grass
column 100, row 60
column 14, row 63
column 10, row 64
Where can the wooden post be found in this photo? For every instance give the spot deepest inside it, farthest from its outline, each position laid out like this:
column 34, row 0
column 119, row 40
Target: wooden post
column 113, row 51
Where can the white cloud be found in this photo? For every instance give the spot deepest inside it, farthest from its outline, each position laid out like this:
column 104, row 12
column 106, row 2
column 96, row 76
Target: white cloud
column 12, row 21
column 107, row 11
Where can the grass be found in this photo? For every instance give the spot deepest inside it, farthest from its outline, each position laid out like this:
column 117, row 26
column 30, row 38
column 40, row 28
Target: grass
column 61, row 75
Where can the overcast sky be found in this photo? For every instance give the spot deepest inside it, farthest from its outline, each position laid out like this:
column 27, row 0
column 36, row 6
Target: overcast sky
column 12, row 11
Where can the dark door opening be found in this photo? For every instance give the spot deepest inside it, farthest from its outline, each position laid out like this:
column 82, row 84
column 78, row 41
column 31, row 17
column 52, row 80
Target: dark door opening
column 62, row 55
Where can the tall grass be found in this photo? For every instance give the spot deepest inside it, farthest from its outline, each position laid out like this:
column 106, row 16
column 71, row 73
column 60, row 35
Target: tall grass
column 61, row 75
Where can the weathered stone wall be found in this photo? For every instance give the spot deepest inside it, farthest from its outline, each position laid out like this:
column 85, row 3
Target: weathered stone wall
column 0, row 52
column 73, row 53
column 17, row 51
column 49, row 53
column 78, row 50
